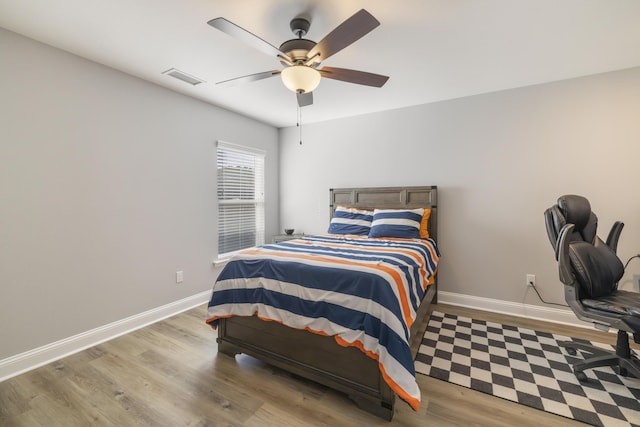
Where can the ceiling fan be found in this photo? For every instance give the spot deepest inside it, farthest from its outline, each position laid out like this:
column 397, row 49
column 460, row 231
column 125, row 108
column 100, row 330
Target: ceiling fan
column 302, row 57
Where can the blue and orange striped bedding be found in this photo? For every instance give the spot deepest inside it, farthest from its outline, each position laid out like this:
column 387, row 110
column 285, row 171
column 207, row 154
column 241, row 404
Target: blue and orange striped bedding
column 363, row 292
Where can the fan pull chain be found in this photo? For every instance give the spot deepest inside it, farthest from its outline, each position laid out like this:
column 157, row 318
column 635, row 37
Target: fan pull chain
column 300, row 123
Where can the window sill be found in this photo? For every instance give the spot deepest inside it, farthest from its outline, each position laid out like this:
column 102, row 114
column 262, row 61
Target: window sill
column 221, row 262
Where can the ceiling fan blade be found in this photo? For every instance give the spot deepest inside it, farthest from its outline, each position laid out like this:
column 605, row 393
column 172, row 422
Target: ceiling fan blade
column 304, row 99
column 249, row 78
column 247, row 37
column 354, row 76
column 355, row 27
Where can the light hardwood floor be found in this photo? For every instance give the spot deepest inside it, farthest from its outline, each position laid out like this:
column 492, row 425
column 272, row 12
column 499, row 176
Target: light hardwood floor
column 169, row 374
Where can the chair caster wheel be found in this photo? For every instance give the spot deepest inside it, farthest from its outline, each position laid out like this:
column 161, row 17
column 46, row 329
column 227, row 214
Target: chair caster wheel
column 581, row 376
column 572, row 351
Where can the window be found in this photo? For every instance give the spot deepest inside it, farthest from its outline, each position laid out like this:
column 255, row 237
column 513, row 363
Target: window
column 240, row 198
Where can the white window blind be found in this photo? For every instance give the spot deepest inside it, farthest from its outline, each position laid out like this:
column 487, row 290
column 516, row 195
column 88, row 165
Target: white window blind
column 240, row 198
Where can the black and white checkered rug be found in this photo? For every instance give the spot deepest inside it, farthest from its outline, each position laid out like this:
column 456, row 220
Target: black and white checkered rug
column 525, row 366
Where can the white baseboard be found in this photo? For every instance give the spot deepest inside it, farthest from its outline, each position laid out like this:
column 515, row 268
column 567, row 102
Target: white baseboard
column 37, row 357
column 547, row 314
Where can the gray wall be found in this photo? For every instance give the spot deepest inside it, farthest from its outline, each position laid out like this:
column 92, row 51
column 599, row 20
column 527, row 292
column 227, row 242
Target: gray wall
column 107, row 188
column 499, row 160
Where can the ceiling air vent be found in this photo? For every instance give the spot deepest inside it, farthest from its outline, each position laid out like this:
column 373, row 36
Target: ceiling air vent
column 181, row 75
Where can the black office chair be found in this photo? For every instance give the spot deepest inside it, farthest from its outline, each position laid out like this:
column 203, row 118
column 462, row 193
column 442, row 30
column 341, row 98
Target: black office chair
column 590, row 271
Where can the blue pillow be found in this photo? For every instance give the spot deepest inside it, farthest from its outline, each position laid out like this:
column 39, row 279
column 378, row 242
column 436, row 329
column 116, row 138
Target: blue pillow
column 403, row 223
column 351, row 221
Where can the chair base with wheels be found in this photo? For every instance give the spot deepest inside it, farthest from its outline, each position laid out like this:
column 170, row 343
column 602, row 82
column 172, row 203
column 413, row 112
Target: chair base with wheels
column 624, row 362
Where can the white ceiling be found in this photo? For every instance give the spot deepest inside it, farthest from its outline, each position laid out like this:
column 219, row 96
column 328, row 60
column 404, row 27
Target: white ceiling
column 432, row 49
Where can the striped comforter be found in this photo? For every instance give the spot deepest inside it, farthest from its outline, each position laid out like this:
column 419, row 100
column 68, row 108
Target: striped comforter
column 363, row 292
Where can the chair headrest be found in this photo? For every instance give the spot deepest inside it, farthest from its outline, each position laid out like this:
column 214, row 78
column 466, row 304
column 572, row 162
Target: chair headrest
column 571, row 209
column 576, row 210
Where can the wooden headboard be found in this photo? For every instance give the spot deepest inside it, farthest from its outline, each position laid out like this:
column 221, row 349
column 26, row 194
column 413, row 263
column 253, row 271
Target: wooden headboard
column 389, row 198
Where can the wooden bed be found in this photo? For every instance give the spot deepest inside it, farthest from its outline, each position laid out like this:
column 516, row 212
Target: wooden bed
column 320, row 358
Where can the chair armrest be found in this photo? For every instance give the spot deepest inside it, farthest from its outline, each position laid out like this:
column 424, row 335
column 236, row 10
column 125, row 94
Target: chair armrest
column 614, row 235
column 562, row 250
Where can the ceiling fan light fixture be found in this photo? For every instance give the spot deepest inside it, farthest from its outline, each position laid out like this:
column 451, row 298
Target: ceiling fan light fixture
column 300, row 78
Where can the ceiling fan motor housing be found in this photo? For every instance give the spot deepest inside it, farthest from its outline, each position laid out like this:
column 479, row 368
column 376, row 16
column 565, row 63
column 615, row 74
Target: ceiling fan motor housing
column 297, row 49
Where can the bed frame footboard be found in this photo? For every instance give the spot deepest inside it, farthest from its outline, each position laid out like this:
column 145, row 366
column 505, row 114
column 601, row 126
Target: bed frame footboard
column 317, row 358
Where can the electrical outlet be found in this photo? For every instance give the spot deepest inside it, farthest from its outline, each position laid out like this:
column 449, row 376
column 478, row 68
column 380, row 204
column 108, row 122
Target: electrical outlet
column 179, row 276
column 531, row 280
